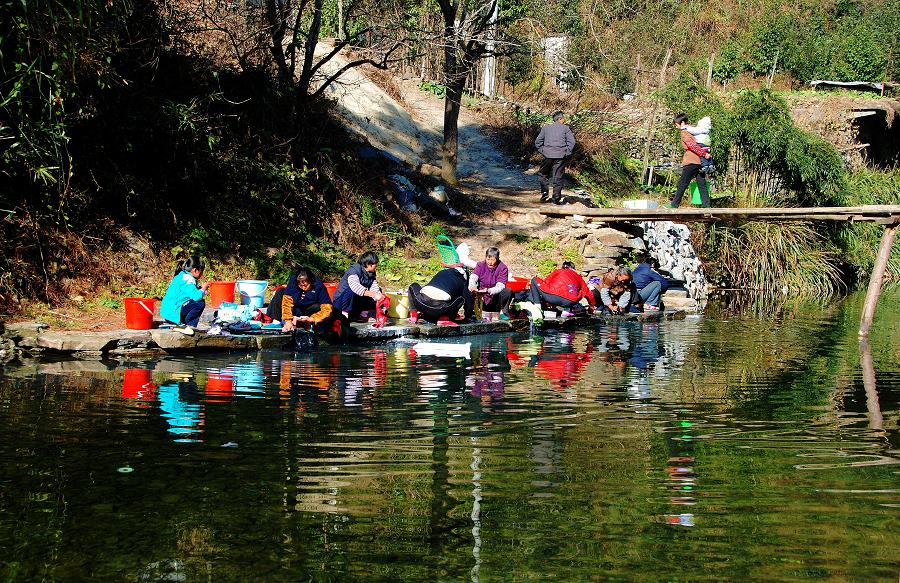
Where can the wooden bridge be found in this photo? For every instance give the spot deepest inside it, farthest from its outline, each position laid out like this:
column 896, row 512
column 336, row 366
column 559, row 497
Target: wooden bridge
column 887, row 215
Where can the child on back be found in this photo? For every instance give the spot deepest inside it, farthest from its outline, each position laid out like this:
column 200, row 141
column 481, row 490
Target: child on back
column 183, row 302
column 701, row 135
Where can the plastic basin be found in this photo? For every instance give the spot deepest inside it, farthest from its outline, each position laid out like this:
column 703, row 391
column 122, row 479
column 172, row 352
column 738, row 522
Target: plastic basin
column 517, row 284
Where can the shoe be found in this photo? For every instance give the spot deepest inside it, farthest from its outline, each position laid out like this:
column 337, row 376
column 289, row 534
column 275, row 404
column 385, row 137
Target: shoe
column 545, row 197
column 186, row 330
column 649, row 308
column 669, row 205
column 559, row 201
column 566, row 314
column 445, row 321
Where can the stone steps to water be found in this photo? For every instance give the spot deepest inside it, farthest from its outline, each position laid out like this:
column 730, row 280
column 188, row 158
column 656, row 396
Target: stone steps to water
column 162, row 341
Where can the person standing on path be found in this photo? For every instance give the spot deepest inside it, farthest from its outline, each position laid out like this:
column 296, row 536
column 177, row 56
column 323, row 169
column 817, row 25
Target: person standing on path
column 555, row 142
column 690, row 164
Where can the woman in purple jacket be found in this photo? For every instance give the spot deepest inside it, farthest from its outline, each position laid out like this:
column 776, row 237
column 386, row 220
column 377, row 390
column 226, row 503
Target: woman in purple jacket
column 489, row 279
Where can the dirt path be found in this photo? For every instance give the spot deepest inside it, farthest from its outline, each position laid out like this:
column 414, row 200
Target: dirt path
column 481, row 163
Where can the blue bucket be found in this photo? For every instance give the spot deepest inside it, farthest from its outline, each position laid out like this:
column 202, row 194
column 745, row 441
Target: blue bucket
column 252, row 292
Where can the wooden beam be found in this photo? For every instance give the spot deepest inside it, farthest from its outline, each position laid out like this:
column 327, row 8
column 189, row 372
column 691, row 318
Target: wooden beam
column 877, row 279
column 869, row 213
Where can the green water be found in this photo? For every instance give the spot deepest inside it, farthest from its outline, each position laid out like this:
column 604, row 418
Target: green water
column 740, row 445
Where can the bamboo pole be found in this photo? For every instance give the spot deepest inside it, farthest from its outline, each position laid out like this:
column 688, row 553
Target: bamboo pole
column 709, row 71
column 877, row 279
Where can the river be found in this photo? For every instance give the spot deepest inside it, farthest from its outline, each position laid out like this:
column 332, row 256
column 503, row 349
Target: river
column 754, row 442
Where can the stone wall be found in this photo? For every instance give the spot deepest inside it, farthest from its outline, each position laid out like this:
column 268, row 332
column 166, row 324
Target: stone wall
column 671, row 244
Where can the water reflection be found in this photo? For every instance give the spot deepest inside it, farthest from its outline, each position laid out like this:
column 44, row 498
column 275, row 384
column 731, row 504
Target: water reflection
column 765, row 446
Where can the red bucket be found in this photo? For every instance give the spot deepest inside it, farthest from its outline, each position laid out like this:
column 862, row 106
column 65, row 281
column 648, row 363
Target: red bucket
column 220, row 291
column 331, row 286
column 517, row 284
column 139, row 313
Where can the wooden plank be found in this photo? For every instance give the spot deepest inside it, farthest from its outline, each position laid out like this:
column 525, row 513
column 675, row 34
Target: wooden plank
column 870, row 213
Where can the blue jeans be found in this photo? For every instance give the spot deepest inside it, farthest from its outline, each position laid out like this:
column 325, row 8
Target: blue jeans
column 190, row 312
column 650, row 294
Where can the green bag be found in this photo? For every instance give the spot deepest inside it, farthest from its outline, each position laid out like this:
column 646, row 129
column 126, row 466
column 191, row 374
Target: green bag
column 695, row 194
column 447, row 249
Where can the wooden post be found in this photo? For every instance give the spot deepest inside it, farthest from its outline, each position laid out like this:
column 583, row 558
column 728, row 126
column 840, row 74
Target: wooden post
column 709, row 71
column 877, row 278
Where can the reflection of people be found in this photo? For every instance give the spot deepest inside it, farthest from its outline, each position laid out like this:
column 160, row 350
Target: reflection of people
column 488, row 376
column 565, row 368
column 442, row 297
column 555, row 142
column 358, row 291
column 179, row 405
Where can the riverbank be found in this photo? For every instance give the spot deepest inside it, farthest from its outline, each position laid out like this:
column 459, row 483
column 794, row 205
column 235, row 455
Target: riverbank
column 36, row 339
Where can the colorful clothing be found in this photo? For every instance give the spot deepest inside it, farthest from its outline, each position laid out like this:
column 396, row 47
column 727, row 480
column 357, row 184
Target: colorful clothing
column 296, row 302
column 566, row 283
column 182, row 289
column 354, row 283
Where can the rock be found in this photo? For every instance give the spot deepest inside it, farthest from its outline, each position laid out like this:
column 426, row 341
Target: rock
column 99, row 342
column 429, row 170
column 171, row 341
column 20, row 330
column 675, row 293
column 601, row 266
column 636, row 243
column 675, row 303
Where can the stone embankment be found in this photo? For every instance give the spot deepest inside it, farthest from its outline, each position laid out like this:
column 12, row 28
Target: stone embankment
column 34, row 339
column 604, row 247
column 671, row 244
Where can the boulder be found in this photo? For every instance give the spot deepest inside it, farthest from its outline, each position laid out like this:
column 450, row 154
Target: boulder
column 20, row 330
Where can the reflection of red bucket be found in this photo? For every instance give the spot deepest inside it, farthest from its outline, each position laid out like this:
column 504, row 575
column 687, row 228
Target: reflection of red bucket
column 219, row 385
column 517, row 284
column 220, row 291
column 139, row 313
column 331, row 287
column 138, row 384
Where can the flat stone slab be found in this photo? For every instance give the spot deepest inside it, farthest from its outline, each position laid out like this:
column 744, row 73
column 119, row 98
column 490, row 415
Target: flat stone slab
column 92, row 341
column 172, row 341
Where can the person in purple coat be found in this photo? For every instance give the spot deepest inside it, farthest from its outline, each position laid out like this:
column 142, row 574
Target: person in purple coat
column 489, row 279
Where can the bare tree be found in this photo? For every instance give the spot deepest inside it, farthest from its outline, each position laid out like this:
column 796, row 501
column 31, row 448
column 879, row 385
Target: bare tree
column 291, row 36
column 469, row 28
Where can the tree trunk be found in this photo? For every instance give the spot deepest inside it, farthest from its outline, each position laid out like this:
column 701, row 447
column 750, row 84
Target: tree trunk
column 450, row 147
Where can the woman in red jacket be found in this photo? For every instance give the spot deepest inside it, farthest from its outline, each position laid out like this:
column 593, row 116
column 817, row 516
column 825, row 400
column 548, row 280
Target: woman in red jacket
column 563, row 288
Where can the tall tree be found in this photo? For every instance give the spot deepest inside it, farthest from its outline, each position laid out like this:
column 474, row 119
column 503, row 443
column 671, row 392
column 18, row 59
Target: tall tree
column 469, row 34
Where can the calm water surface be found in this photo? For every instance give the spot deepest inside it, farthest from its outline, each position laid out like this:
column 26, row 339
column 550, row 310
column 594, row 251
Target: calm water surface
column 740, row 445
